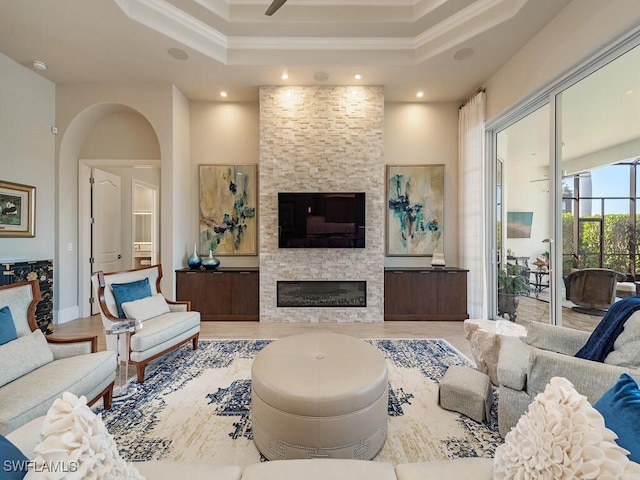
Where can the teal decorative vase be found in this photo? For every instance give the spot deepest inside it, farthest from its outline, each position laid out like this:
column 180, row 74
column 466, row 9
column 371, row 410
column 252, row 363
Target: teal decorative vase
column 210, row 262
column 194, row 260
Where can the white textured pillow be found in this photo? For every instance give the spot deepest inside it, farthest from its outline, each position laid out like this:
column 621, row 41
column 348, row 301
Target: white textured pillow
column 626, row 349
column 562, row 436
column 146, row 308
column 76, row 441
column 23, row 355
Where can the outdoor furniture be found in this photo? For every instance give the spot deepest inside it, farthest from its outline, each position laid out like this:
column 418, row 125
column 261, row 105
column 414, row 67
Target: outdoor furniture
column 593, row 290
column 319, row 395
column 166, row 324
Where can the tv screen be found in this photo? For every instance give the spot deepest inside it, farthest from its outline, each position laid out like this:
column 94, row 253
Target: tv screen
column 321, row 220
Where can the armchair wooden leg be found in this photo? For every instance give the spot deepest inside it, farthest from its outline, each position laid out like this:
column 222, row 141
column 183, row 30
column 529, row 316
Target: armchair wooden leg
column 195, row 342
column 140, row 370
column 108, row 397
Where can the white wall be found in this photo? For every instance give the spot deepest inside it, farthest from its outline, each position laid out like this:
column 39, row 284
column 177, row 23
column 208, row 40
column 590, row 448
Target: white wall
column 222, row 133
column 123, row 135
column 79, row 108
column 577, row 33
column 178, row 224
column 426, row 133
column 27, row 153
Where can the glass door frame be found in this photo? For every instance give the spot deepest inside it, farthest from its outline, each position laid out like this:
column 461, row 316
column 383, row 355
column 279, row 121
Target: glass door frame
column 550, row 95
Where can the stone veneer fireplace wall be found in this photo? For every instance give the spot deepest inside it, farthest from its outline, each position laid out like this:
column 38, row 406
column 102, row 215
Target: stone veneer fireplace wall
column 321, row 139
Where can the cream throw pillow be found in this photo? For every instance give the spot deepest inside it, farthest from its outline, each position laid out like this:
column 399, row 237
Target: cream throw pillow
column 562, row 436
column 146, row 308
column 76, row 445
column 23, row 355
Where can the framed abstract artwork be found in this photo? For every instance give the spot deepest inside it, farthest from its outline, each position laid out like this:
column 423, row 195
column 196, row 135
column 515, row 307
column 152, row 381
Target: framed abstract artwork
column 17, row 210
column 228, row 199
column 415, row 204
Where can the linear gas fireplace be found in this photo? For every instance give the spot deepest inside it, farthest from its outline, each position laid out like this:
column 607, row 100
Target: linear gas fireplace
column 322, row 293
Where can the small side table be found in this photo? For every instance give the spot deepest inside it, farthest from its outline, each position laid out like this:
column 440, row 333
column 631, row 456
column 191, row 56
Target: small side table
column 485, row 337
column 123, row 330
column 539, row 283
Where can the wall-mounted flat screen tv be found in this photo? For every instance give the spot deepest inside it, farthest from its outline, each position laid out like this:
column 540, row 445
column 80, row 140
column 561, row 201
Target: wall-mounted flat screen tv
column 321, row 220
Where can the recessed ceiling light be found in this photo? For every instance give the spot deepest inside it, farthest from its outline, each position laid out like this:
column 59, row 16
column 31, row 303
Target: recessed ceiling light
column 358, row 76
column 420, row 94
column 463, row 53
column 178, row 53
column 284, row 76
column 224, row 94
column 39, row 65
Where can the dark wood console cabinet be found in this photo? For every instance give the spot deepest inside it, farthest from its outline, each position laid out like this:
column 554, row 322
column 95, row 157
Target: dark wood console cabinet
column 425, row 294
column 221, row 294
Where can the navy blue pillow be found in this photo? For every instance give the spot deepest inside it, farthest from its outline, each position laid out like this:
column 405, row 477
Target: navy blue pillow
column 128, row 292
column 620, row 407
column 7, row 327
column 14, row 462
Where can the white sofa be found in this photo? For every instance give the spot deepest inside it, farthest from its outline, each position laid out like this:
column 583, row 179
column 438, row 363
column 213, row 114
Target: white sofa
column 526, row 367
column 37, row 369
column 27, row 437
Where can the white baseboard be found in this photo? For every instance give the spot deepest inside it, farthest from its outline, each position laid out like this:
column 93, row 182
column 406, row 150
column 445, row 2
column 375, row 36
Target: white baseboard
column 66, row 315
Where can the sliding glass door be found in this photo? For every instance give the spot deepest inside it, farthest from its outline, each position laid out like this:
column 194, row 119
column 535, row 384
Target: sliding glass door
column 566, row 191
column 523, row 217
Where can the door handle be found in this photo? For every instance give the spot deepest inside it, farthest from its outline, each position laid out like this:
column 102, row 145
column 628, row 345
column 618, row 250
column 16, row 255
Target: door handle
column 119, row 256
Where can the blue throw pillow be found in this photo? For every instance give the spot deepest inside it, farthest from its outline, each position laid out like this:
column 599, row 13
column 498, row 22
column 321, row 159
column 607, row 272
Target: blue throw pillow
column 128, row 292
column 620, row 407
column 14, row 462
column 7, row 327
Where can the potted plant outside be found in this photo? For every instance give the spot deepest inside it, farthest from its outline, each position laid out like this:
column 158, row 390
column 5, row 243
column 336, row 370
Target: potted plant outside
column 513, row 281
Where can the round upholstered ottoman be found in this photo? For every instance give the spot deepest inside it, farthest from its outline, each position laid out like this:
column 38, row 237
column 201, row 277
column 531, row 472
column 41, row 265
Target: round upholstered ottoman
column 319, row 395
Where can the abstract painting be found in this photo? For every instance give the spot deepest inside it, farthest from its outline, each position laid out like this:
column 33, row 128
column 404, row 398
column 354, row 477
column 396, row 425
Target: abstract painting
column 17, row 210
column 519, row 224
column 228, row 195
column 415, row 203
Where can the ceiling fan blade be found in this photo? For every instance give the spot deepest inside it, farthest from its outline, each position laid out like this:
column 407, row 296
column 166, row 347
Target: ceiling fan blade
column 275, row 5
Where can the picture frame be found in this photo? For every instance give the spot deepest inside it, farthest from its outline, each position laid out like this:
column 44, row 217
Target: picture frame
column 414, row 210
column 519, row 224
column 228, row 199
column 17, row 210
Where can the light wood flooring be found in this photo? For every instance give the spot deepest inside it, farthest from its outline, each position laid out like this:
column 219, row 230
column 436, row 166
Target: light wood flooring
column 530, row 309
column 450, row 331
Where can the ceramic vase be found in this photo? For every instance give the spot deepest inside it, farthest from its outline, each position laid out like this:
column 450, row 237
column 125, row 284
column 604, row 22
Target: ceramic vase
column 194, row 260
column 210, row 262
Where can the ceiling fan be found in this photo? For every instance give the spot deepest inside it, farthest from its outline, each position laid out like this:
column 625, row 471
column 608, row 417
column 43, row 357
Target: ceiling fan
column 275, row 5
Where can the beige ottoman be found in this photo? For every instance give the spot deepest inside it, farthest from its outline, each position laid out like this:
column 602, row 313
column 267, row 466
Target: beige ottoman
column 319, row 395
column 467, row 391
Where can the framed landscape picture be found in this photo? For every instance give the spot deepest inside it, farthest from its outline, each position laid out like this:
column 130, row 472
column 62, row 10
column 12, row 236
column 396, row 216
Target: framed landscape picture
column 415, row 204
column 17, row 210
column 519, row 224
column 228, row 199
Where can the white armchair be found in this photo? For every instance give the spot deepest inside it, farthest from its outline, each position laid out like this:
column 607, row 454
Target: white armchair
column 166, row 324
column 525, row 368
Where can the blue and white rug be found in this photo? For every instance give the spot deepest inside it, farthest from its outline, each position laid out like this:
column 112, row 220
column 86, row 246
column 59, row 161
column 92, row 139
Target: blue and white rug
column 196, row 406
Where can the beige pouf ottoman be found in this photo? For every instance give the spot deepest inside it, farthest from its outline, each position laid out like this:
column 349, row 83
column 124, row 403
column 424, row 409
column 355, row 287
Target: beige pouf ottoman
column 319, row 395
column 467, row 391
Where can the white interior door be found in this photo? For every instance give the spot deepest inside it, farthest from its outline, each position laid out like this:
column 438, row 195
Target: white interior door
column 106, row 237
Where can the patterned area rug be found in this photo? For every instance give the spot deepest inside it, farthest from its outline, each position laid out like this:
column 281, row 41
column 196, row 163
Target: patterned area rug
column 196, row 406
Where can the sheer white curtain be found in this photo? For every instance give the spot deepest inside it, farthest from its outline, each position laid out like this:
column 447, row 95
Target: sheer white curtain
column 472, row 220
